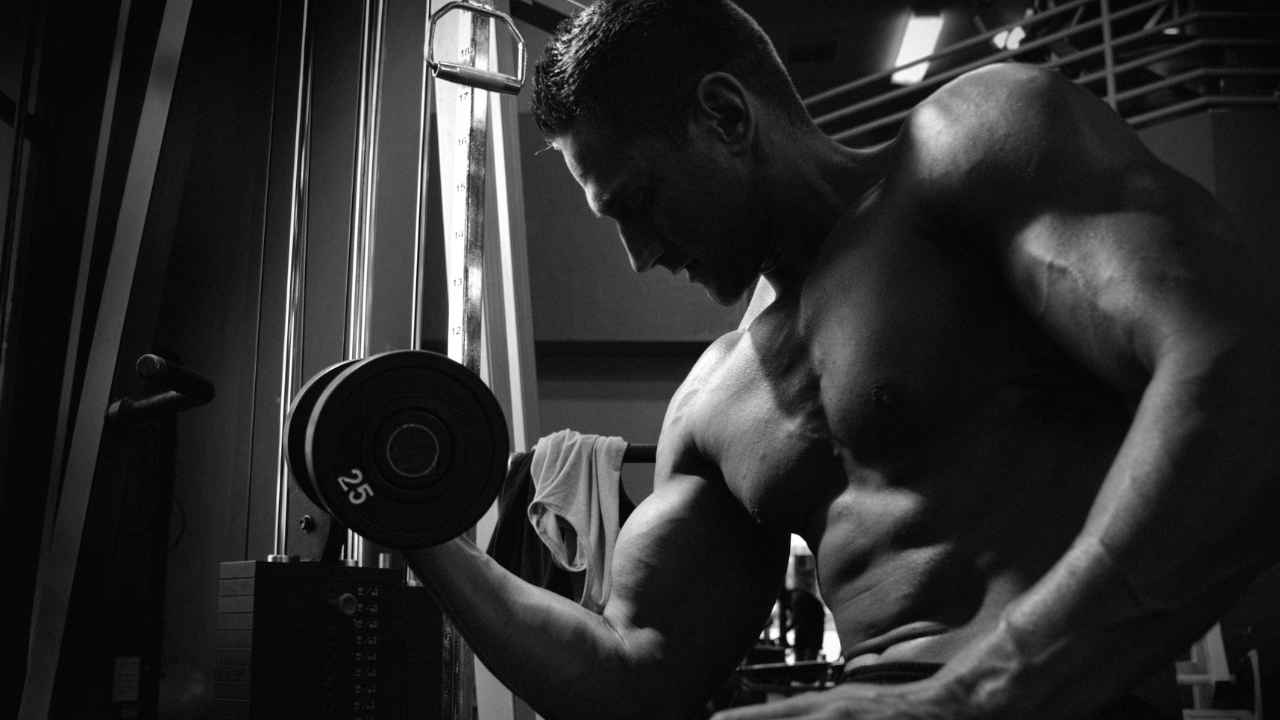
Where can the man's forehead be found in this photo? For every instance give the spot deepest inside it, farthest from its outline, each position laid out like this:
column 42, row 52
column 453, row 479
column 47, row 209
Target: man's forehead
column 589, row 153
column 600, row 162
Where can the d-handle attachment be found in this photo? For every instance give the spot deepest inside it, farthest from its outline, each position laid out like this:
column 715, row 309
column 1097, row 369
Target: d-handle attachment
column 466, row 74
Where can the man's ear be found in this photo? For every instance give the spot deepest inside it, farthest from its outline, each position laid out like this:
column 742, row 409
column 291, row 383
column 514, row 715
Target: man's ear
column 724, row 107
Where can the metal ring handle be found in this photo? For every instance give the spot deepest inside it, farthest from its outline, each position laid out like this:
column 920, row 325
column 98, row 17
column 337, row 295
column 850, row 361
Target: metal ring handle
column 466, row 74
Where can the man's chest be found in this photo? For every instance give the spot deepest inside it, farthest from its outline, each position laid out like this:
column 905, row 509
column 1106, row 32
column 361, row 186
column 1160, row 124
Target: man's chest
column 846, row 384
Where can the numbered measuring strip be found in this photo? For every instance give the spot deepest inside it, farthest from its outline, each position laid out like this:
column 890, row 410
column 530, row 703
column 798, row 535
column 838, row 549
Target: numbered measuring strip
column 463, row 112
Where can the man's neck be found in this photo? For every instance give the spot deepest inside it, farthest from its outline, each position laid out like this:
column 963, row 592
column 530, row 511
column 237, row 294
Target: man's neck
column 817, row 182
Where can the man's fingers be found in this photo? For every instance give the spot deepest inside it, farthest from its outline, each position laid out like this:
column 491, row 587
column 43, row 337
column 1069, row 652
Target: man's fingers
column 796, row 707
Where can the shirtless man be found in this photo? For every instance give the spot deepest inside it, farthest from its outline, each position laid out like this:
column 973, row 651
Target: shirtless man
column 1016, row 391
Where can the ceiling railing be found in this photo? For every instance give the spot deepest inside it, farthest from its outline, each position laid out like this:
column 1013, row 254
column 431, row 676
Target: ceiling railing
column 1150, row 60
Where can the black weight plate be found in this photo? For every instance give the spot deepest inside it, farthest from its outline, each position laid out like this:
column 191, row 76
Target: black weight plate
column 295, row 432
column 407, row 448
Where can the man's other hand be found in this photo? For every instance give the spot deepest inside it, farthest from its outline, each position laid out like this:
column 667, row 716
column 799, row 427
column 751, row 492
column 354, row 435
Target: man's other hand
column 923, row 700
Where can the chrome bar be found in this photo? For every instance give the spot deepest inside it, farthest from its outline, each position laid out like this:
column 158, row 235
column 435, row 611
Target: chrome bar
column 363, row 206
column 942, row 78
column 295, row 282
column 360, row 267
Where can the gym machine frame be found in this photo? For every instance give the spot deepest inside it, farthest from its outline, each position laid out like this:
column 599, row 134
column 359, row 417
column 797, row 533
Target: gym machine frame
column 417, row 458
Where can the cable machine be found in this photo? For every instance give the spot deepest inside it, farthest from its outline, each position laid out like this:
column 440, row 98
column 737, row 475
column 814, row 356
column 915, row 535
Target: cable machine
column 376, row 633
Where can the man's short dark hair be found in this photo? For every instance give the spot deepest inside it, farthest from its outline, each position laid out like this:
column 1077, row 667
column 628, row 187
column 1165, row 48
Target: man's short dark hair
column 634, row 65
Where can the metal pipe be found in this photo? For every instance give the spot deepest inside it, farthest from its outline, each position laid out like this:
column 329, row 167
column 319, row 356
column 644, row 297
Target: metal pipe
column 1206, row 101
column 295, row 282
column 364, row 189
column 1195, row 75
column 942, row 78
column 968, row 42
column 1108, row 53
column 1203, row 72
column 1173, row 52
column 873, row 125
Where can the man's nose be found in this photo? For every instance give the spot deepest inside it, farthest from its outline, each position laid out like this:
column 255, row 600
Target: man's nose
column 642, row 249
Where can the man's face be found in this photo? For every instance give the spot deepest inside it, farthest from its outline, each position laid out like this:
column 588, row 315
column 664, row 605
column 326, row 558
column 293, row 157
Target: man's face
column 684, row 207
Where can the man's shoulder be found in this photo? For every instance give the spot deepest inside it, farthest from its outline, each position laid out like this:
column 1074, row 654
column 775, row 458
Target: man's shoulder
column 1011, row 134
column 982, row 119
column 995, row 90
column 725, row 376
column 708, row 363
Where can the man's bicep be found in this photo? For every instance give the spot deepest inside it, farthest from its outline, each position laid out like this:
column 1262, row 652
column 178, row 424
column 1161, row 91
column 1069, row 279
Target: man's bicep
column 694, row 578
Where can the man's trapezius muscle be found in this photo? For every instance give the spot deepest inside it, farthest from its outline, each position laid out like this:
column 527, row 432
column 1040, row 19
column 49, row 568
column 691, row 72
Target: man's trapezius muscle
column 1014, row 390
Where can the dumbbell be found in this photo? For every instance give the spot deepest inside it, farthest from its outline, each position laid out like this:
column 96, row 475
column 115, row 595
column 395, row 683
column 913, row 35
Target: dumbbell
column 407, row 448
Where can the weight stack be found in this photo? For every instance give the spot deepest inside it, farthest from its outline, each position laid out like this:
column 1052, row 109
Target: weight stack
column 324, row 641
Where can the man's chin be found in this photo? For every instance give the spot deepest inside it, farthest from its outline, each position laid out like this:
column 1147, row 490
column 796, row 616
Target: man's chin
column 723, row 295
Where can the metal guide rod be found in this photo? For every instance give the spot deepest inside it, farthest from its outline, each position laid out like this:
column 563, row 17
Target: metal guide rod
column 295, row 282
column 364, row 189
column 517, row 314
column 56, row 574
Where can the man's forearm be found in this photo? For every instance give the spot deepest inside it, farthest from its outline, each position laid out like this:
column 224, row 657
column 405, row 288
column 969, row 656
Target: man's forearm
column 1178, row 530
column 564, row 660
column 1055, row 656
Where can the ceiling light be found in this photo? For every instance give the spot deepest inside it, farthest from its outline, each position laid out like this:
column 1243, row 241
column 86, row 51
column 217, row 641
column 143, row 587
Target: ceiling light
column 918, row 41
column 1009, row 39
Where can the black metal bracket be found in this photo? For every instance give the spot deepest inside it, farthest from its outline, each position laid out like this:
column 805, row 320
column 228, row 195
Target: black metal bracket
column 175, row 389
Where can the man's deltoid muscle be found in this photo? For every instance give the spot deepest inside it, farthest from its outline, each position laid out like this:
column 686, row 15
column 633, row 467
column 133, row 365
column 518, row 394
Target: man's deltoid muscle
column 1015, row 391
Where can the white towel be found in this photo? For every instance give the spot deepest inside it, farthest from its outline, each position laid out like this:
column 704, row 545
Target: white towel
column 577, row 481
